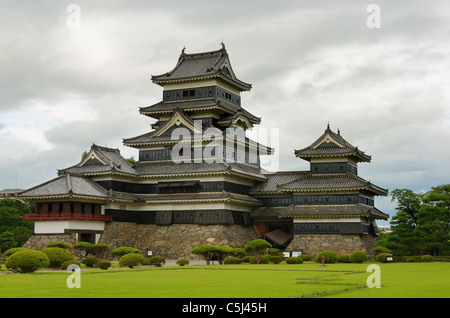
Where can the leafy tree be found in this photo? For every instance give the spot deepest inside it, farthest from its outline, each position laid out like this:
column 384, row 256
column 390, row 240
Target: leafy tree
column 11, row 212
column 223, row 252
column 7, row 241
column 421, row 224
column 257, row 248
column 205, row 251
column 433, row 226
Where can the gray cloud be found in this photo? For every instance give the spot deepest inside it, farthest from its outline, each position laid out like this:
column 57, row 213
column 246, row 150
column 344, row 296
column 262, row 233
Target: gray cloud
column 310, row 63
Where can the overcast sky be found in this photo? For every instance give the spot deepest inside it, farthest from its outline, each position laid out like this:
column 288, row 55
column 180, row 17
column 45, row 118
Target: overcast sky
column 310, row 62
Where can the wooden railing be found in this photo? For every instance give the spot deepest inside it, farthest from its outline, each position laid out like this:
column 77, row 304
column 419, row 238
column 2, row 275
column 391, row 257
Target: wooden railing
column 66, row 216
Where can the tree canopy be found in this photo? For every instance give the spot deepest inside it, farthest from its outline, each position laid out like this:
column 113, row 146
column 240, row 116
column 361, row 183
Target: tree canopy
column 422, row 222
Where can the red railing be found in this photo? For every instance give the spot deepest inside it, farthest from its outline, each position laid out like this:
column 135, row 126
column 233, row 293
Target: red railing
column 66, row 216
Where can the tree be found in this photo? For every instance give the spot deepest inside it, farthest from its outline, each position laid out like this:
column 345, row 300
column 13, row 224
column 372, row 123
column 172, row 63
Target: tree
column 11, row 212
column 223, row 252
column 421, row 224
column 205, row 251
column 7, row 241
column 257, row 248
column 434, row 220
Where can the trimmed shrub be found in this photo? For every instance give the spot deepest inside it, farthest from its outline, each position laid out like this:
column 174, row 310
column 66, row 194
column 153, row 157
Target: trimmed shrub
column 13, row 250
column 69, row 262
column 130, row 260
column 344, row 258
column 246, row 259
column 265, row 259
column 157, row 261
column 275, row 259
column 104, row 265
column 330, row 257
column 27, row 261
column 90, row 261
column 382, row 257
column 81, row 249
column 426, row 258
column 232, row 260
column 381, row 249
column 306, row 257
column 121, row 251
column 358, row 257
column 205, row 251
column 239, row 252
column 58, row 244
column 256, row 248
column 299, row 260
column 57, row 256
column 100, row 249
column 291, row 260
column 182, row 262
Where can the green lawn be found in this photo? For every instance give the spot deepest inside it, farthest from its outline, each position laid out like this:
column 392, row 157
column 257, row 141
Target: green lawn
column 238, row 281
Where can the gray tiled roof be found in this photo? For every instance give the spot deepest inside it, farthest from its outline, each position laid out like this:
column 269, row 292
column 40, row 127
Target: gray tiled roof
column 202, row 196
column 67, row 185
column 318, row 149
column 337, row 181
column 170, row 168
column 192, row 105
column 348, row 210
column 201, row 65
column 112, row 162
column 275, row 179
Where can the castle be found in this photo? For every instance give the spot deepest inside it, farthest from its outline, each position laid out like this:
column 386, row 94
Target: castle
column 198, row 180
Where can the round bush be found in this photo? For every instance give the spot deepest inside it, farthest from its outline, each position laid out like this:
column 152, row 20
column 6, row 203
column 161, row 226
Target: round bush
column 381, row 249
column 232, row 260
column 27, row 261
column 104, row 265
column 157, row 261
column 382, row 257
column 299, row 260
column 265, row 259
column 13, row 250
column 57, row 256
column 305, row 257
column 246, row 259
column 276, row 259
column 291, row 260
column 70, row 262
column 58, row 244
column 182, row 262
column 426, row 258
column 121, row 251
column 343, row 258
column 130, row 260
column 330, row 257
column 90, row 261
column 358, row 257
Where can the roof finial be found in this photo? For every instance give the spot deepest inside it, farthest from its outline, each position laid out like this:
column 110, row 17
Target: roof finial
column 184, row 49
column 223, row 45
column 339, row 132
column 328, row 125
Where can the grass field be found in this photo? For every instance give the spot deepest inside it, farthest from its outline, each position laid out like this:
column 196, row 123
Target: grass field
column 398, row 280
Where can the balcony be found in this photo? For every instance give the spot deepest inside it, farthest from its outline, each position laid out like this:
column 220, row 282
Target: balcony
column 66, row 216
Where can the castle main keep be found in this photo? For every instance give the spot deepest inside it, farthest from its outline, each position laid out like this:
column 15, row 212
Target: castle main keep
column 198, row 180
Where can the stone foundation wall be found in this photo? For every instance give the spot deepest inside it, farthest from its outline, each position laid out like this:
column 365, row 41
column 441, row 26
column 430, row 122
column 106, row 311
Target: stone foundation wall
column 174, row 241
column 312, row 244
column 39, row 241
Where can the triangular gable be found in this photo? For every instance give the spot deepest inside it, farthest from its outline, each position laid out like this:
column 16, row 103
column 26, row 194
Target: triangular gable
column 177, row 119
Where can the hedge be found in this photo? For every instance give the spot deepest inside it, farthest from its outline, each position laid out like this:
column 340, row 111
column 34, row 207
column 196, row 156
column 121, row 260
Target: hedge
column 130, row 260
column 330, row 257
column 358, row 257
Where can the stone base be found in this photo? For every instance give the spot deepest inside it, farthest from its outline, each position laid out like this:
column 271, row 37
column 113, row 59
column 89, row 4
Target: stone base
column 39, row 241
column 313, row 244
column 174, row 241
